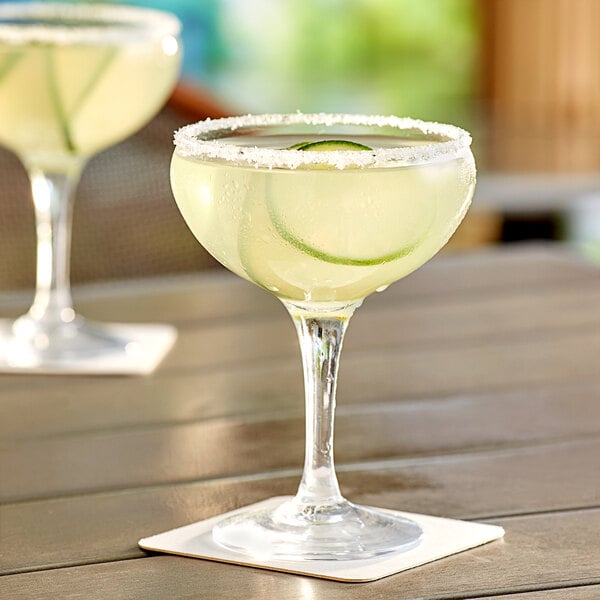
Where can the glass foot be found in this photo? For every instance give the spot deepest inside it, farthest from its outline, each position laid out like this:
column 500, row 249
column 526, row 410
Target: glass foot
column 295, row 531
column 78, row 346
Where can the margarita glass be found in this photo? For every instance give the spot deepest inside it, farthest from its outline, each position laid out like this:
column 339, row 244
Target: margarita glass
column 75, row 79
column 321, row 210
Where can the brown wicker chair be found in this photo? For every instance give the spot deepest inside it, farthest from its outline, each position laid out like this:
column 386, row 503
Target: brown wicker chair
column 126, row 223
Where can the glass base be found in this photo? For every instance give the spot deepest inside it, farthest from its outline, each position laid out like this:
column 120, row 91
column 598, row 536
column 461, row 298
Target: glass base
column 296, row 531
column 82, row 347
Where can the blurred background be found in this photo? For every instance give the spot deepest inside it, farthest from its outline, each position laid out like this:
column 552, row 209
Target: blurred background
column 522, row 75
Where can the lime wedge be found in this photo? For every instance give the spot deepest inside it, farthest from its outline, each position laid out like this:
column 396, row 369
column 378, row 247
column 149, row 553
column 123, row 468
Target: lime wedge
column 322, row 216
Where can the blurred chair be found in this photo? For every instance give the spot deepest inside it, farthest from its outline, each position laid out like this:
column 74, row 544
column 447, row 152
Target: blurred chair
column 126, row 223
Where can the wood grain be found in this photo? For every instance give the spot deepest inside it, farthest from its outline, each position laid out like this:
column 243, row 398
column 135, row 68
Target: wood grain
column 538, row 552
column 92, row 462
column 525, row 360
column 436, row 320
column 440, row 306
column 482, row 485
column 470, row 390
column 223, row 296
column 585, row 592
column 529, row 358
column 220, row 295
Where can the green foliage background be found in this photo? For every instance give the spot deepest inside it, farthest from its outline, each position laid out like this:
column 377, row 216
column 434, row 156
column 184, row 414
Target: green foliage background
column 408, row 57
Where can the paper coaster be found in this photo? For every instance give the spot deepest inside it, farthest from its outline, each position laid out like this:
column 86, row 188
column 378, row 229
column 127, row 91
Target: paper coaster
column 441, row 537
column 119, row 349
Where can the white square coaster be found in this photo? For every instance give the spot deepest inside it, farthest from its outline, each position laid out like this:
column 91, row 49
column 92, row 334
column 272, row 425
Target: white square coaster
column 441, row 537
column 139, row 349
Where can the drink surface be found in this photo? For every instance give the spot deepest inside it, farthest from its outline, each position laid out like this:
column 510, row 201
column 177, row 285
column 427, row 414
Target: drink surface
column 318, row 234
column 65, row 99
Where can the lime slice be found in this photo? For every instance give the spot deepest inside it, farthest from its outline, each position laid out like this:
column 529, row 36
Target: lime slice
column 322, row 215
column 69, row 94
column 91, row 63
column 9, row 62
column 298, row 146
column 329, row 146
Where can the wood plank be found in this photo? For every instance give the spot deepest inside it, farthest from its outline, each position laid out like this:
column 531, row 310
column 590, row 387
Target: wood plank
column 91, row 461
column 437, row 320
column 454, row 367
column 103, row 527
column 542, row 551
column 209, row 295
column 224, row 296
column 221, row 295
column 506, row 363
column 437, row 317
column 546, row 359
column 78, row 407
column 585, row 592
column 434, row 321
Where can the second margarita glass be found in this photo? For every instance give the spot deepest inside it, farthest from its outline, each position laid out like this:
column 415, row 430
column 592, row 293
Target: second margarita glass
column 75, row 79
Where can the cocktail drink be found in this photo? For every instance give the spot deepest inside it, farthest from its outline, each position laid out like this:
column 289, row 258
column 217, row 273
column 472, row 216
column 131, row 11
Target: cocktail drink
column 74, row 79
column 321, row 210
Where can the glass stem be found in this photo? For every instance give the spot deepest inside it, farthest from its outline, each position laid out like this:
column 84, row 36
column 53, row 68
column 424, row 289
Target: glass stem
column 53, row 194
column 321, row 338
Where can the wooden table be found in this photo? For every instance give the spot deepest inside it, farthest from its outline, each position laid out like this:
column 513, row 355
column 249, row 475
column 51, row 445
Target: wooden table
column 470, row 390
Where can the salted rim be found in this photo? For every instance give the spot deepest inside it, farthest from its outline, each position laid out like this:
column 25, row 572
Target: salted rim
column 154, row 23
column 188, row 142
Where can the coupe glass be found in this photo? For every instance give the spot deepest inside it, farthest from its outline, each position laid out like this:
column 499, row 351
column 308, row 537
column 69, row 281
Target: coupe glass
column 321, row 210
column 75, row 79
